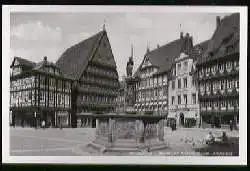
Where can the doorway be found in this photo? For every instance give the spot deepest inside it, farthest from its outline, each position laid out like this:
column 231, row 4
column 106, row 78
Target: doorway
column 181, row 119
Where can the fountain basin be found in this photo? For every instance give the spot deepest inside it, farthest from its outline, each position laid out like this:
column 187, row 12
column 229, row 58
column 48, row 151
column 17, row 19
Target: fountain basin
column 128, row 133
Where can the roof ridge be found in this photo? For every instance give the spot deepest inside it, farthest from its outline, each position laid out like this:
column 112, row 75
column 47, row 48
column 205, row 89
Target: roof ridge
column 79, row 43
column 92, row 52
column 87, row 38
column 173, row 41
column 23, row 59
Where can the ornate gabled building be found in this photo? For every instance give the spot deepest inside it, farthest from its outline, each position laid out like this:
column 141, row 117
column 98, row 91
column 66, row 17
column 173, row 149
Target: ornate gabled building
column 91, row 65
column 218, row 74
column 39, row 91
column 151, row 87
column 182, row 87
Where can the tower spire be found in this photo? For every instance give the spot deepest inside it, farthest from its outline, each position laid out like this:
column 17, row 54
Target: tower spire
column 181, row 32
column 148, row 47
column 104, row 25
column 132, row 51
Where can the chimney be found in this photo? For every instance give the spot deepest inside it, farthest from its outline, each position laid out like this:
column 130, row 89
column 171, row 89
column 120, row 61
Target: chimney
column 158, row 46
column 218, row 21
column 181, row 35
column 45, row 58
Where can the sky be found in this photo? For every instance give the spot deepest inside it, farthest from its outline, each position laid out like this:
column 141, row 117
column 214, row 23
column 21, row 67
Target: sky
column 34, row 35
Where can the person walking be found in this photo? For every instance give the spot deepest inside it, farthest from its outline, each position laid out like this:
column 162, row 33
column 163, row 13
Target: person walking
column 231, row 125
column 43, row 124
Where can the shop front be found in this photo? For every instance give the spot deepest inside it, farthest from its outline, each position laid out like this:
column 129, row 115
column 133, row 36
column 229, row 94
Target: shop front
column 62, row 119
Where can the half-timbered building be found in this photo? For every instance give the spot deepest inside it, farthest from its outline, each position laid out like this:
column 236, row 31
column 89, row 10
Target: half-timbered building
column 39, row 91
column 151, row 81
column 91, row 65
column 218, row 74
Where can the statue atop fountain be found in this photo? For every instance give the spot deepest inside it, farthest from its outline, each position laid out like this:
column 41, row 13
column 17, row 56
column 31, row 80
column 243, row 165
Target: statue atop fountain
column 129, row 84
column 130, row 64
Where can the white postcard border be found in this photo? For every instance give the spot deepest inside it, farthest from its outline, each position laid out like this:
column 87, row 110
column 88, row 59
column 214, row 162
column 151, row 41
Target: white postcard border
column 145, row 160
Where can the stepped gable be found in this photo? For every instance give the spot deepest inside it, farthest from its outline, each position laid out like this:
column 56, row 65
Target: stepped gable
column 226, row 33
column 75, row 59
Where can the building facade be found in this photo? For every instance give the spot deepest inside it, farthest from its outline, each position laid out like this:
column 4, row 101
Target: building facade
column 91, row 65
column 183, row 93
column 39, row 91
column 218, row 74
column 120, row 99
column 151, row 80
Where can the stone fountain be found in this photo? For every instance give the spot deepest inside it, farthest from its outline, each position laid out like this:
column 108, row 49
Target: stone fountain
column 128, row 133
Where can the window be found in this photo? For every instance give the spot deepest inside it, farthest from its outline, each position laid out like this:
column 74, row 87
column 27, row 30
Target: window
column 179, row 83
column 223, row 104
column 194, row 98
column 179, row 66
column 165, row 92
column 209, row 103
column 59, row 99
column 156, row 93
column 207, row 70
column 172, row 100
column 220, row 67
column 185, row 82
column 40, row 95
column 179, row 99
column 50, row 96
column 30, row 95
column 185, row 98
column 229, row 64
column 185, row 66
column 222, row 85
column 229, row 83
column 193, row 82
column 173, row 84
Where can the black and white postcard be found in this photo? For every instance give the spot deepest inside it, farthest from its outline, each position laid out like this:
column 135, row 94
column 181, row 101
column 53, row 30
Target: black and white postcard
column 124, row 84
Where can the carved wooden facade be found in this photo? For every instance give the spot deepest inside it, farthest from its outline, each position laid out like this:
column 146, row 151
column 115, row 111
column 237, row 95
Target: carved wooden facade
column 91, row 65
column 150, row 88
column 39, row 92
column 218, row 75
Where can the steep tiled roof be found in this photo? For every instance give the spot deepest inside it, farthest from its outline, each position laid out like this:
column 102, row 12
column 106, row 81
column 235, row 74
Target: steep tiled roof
column 43, row 63
column 24, row 62
column 73, row 61
column 164, row 56
column 199, row 49
column 224, row 35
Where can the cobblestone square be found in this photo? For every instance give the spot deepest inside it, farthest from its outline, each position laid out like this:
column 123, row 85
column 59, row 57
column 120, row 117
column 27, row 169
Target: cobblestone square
column 72, row 142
